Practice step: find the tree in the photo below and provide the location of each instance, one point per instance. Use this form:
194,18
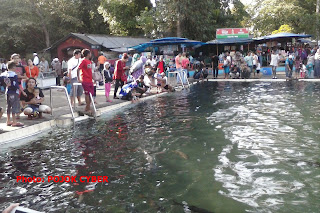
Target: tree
121,15
268,15
93,21
33,25
186,18
283,29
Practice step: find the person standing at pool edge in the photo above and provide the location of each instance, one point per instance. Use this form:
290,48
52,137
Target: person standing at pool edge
86,77
274,63
73,65
10,78
289,67
119,73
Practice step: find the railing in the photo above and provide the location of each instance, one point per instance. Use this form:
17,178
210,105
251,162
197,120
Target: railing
91,98
175,76
66,93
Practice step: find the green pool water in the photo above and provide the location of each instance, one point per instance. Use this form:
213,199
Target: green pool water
218,147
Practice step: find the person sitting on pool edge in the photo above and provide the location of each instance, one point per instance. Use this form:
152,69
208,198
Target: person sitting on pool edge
141,87
29,100
164,84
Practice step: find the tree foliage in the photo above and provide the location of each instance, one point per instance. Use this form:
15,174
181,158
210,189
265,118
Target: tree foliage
268,15
194,20
33,25
121,15
283,29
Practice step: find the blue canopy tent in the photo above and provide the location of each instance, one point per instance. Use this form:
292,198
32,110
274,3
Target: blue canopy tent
281,37
167,41
301,40
231,41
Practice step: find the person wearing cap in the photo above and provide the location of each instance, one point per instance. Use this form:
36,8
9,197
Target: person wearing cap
56,67
36,60
289,67
20,70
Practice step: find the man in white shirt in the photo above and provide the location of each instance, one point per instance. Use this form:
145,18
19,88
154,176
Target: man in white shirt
36,60
73,65
274,63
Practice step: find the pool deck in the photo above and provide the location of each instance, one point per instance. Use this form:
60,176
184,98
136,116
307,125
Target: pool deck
62,115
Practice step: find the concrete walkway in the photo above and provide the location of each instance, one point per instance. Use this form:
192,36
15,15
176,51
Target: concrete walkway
62,114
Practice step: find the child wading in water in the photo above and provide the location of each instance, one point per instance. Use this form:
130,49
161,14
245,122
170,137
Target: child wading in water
107,80
86,78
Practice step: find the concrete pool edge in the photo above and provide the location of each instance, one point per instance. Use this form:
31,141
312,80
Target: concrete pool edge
63,121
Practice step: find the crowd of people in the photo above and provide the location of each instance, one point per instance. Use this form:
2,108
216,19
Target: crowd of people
20,98
133,75
302,62
133,80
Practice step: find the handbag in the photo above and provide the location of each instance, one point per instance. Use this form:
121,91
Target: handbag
96,76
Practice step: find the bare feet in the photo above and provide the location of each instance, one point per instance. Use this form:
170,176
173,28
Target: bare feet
1,112
18,124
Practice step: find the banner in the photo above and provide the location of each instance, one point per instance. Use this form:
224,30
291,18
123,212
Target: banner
232,33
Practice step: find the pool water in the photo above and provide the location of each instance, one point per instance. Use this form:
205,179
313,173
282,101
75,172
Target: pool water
220,147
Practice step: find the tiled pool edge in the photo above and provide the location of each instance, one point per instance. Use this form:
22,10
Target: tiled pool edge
23,133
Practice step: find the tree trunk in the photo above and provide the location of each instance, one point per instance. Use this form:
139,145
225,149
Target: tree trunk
179,33
43,25
317,20
178,9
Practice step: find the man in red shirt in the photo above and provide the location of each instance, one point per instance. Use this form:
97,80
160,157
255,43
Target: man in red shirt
86,77
161,65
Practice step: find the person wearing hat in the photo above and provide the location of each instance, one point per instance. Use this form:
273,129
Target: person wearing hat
36,60
289,67
56,66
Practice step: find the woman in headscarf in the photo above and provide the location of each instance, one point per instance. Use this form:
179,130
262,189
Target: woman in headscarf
136,69
135,58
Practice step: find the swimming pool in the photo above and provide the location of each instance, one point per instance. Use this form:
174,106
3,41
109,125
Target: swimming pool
221,147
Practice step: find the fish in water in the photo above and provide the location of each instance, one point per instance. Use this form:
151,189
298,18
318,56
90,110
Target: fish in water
192,208
181,154
152,165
